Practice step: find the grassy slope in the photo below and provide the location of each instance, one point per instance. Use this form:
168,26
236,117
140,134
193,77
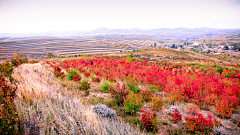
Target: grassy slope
45,107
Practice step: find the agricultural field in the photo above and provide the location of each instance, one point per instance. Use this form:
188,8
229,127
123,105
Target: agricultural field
160,91
38,48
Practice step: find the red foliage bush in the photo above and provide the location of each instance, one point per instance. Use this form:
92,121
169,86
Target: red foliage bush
193,109
146,94
176,115
224,108
96,79
199,123
111,79
184,82
86,74
57,72
157,102
8,116
80,69
119,93
76,78
149,120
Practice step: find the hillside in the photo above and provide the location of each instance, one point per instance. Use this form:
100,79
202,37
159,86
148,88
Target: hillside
158,91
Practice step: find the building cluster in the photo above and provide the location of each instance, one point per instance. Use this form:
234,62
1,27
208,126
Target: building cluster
204,48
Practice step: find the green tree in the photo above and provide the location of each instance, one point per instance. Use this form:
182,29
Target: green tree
220,70
50,55
71,73
225,47
173,46
129,58
133,102
236,46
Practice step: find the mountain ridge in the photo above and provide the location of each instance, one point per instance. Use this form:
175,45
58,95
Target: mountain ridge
180,33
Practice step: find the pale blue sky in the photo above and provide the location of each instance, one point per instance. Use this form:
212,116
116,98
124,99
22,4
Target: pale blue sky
33,16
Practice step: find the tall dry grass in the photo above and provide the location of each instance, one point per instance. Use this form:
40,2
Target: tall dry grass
46,107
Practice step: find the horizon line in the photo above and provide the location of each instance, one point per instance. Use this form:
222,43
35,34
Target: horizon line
120,29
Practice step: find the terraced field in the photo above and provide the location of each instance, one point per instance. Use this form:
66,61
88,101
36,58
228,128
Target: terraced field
132,44
40,47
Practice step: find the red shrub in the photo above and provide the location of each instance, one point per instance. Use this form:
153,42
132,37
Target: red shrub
157,102
119,93
224,108
96,79
146,94
80,69
149,120
86,74
111,79
8,115
176,115
199,123
193,109
57,72
76,78
179,82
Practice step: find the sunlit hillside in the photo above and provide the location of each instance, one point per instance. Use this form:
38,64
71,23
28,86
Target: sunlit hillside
158,91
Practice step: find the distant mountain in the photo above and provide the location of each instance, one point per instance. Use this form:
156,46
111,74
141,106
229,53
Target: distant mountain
179,33
105,31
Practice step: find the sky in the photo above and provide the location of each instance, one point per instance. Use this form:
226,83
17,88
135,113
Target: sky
35,16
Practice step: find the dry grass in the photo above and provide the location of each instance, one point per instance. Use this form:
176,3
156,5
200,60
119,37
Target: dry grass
46,107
